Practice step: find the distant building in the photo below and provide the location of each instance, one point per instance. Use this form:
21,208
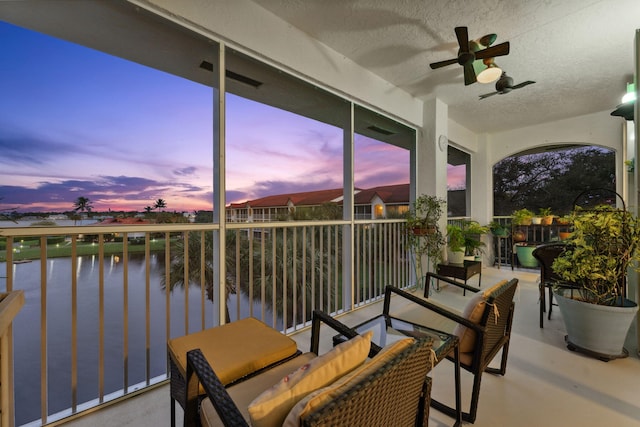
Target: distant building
390,201
126,221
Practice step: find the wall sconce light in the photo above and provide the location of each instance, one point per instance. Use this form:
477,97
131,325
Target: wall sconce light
626,109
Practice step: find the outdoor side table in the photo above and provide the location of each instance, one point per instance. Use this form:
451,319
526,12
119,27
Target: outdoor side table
463,271
387,329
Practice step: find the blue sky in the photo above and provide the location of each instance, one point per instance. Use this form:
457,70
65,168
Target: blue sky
77,122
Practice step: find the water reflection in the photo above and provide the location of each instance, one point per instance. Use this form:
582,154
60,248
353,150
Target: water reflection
143,340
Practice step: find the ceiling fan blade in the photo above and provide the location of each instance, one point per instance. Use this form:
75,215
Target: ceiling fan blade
493,51
469,74
523,84
443,63
463,38
486,95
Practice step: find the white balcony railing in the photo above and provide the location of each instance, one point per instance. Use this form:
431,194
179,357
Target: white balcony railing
101,301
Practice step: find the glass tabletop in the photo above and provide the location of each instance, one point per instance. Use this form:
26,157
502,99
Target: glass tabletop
387,330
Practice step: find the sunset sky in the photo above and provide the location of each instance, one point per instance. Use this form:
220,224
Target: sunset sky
75,122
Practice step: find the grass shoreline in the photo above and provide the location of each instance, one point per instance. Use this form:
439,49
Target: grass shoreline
30,253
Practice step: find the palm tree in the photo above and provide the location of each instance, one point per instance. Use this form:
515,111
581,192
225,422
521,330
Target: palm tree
196,268
82,204
160,204
148,209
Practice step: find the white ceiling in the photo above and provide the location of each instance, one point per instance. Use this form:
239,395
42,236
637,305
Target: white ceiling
580,53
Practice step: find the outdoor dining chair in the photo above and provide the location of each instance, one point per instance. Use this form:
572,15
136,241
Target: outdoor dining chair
546,254
484,329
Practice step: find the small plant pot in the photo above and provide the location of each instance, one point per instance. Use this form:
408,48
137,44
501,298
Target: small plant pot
519,235
536,220
424,231
547,220
500,232
564,235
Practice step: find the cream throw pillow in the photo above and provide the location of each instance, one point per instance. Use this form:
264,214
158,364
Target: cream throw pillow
320,397
272,406
473,311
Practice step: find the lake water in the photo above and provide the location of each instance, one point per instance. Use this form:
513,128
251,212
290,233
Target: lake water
27,336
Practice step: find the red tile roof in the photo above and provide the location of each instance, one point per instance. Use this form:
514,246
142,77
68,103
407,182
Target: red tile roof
390,194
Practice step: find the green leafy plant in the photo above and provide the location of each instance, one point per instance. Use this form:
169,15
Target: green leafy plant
423,233
544,212
604,243
521,216
466,237
472,231
425,212
498,229
455,238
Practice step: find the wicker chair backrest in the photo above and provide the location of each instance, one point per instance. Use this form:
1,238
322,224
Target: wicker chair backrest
497,319
546,254
389,396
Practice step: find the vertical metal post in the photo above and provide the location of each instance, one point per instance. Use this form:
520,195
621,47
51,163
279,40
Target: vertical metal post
636,181
219,184
348,276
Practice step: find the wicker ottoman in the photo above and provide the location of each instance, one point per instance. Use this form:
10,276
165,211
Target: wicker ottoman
235,350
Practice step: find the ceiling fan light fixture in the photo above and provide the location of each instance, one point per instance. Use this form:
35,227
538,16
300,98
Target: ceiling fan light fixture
490,74
630,96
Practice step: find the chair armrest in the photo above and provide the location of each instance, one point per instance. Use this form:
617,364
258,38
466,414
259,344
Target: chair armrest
445,279
429,306
200,372
320,317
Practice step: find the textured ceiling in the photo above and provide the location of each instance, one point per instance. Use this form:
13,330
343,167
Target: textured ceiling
579,52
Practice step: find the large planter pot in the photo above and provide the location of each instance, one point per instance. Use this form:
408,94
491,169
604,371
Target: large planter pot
525,255
597,330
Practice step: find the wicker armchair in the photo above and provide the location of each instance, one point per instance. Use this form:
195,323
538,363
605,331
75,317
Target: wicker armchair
396,393
492,331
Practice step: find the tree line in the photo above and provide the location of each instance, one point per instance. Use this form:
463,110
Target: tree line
551,179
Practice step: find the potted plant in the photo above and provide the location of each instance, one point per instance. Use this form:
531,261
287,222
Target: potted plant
604,244
563,220
455,244
472,231
546,215
520,217
498,229
424,214
422,230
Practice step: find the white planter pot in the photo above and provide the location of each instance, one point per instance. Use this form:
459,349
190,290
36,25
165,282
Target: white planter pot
536,220
597,330
455,257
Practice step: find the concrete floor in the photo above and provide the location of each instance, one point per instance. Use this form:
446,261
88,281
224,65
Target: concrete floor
545,384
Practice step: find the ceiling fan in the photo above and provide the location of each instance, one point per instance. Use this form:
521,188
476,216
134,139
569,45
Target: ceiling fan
466,55
505,85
